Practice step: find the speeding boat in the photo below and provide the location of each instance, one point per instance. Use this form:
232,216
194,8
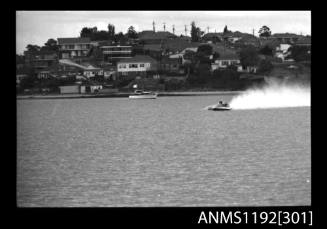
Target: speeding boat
139,94
220,107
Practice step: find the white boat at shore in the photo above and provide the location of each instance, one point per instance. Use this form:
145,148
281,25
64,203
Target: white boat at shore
139,94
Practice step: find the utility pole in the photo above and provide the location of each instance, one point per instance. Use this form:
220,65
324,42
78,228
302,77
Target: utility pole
154,26
185,30
174,29
164,26
208,28
253,32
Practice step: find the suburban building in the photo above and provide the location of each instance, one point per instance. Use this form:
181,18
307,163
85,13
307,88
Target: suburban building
40,60
172,65
212,37
113,53
74,48
92,72
225,60
138,65
289,38
19,78
63,68
151,37
304,41
282,52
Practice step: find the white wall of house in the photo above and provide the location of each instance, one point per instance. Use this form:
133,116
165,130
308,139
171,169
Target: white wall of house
224,63
133,67
74,89
283,47
43,75
90,73
95,87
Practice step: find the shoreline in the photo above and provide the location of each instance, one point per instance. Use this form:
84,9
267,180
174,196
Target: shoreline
126,94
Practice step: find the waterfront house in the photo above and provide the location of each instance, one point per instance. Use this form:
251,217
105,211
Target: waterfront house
74,48
40,60
92,71
20,77
138,65
70,89
110,72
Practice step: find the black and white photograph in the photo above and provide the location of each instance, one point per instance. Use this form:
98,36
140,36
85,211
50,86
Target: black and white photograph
163,108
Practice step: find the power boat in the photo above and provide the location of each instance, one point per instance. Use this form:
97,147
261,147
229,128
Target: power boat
220,107
139,94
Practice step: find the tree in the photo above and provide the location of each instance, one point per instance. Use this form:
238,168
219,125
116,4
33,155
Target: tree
266,50
131,33
203,54
50,45
300,53
20,59
33,48
265,66
120,37
205,49
195,33
264,31
249,56
216,55
226,29
86,32
100,35
111,30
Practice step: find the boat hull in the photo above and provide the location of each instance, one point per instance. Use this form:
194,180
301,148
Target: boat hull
219,108
142,96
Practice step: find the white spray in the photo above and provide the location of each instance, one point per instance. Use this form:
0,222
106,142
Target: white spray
273,95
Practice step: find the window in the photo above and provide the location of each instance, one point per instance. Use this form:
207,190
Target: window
132,65
122,66
225,62
71,46
141,65
65,55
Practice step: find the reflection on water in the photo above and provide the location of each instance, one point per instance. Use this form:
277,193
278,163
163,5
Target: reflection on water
163,152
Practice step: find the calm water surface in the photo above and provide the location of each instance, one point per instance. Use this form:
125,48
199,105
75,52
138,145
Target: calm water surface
163,152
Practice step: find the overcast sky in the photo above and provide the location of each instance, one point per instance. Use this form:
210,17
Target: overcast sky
36,27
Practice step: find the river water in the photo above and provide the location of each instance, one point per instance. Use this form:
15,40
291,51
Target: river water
115,152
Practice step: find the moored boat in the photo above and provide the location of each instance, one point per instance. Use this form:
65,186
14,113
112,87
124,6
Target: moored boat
139,94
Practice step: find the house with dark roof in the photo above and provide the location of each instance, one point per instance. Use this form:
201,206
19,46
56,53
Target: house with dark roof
151,37
212,37
74,48
172,65
289,38
138,65
40,60
304,41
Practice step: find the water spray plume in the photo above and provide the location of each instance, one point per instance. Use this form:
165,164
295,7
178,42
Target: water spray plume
273,95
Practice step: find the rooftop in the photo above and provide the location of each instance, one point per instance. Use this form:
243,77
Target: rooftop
137,59
74,40
145,35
